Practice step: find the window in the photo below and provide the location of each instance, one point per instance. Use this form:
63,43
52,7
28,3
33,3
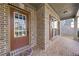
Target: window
19,25
78,22
55,24
72,23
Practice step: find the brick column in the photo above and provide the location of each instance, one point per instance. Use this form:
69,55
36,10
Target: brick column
41,27
3,29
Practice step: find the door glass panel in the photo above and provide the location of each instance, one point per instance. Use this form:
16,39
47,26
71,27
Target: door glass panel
19,25
78,22
54,24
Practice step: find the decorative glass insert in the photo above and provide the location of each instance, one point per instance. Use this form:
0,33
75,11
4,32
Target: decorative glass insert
20,25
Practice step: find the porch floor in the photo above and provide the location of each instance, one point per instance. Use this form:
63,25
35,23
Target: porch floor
59,46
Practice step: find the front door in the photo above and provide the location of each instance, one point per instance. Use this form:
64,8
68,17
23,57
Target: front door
19,28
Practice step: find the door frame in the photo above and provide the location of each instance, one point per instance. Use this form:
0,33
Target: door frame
9,26
52,32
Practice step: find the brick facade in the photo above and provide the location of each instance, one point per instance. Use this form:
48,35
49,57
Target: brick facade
39,27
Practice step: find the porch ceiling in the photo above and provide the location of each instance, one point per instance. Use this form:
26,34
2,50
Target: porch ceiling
64,10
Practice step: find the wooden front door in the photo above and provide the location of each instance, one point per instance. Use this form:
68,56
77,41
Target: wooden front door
19,28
